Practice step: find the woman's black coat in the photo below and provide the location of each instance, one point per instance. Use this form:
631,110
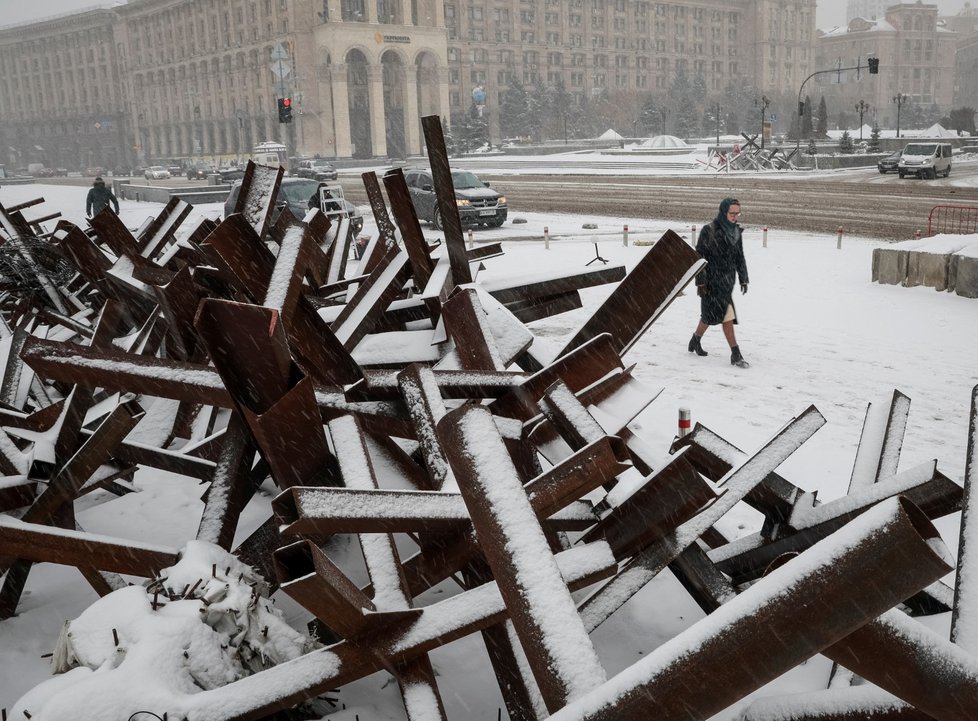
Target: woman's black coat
724,263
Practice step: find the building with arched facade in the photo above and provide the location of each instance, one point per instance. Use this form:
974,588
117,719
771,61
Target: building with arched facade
174,80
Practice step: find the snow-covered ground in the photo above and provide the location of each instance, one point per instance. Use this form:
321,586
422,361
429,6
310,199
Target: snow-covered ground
814,327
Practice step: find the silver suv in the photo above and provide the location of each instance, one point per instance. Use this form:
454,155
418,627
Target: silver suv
316,169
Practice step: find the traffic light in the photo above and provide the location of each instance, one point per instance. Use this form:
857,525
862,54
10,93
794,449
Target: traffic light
285,110
874,65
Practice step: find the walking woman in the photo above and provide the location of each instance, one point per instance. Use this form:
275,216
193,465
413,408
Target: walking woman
721,245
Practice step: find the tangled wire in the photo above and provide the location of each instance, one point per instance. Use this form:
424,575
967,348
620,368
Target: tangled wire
28,263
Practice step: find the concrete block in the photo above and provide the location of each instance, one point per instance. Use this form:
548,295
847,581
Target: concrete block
889,266
966,276
927,269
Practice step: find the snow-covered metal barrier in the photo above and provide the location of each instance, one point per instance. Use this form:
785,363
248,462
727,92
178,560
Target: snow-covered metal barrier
401,400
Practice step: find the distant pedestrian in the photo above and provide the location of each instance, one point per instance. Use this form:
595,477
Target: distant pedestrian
721,245
99,198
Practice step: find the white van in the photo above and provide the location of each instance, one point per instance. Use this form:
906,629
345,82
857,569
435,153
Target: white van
925,160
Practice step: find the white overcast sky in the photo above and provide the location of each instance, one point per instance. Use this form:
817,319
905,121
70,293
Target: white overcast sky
830,12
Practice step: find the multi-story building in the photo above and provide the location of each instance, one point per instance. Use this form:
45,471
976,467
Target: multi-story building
916,60
866,9
176,79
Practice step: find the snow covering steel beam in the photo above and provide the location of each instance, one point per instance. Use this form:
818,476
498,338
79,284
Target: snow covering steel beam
691,676
178,301
256,199
558,650
589,468
856,703
382,385
467,325
964,618
635,304
441,177
44,544
385,226
578,369
230,488
161,229
423,399
365,310
668,498
737,483
878,452
939,496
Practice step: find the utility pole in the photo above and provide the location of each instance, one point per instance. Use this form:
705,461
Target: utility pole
718,126
899,99
861,108
872,64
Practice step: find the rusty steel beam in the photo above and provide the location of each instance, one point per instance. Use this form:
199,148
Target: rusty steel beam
578,369
441,176
904,657
423,399
887,554
467,325
43,544
648,563
643,295
385,226
668,498
111,231
540,607
366,308
407,221
380,385
306,574
939,494
964,631
878,451
514,291
230,488
178,301
161,229
16,493
256,199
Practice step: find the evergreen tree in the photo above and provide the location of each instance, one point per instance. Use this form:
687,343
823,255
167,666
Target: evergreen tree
874,139
823,119
962,120
514,108
806,119
537,110
845,143
648,117
560,104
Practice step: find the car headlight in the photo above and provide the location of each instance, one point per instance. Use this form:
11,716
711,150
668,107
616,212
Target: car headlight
929,161
501,200
462,202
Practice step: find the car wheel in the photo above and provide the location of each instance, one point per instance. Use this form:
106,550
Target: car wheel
882,172
901,175
436,219
948,171
496,223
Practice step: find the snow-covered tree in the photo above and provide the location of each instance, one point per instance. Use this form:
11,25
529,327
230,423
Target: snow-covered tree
845,143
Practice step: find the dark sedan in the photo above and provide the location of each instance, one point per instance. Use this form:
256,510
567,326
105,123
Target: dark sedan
890,163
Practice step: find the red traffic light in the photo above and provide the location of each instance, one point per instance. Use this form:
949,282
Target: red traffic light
287,102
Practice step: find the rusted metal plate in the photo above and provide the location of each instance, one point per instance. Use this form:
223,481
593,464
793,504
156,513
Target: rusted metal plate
518,290
469,328
256,199
668,266
366,308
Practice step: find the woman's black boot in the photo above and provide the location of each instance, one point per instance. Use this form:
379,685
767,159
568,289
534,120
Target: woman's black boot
737,359
695,347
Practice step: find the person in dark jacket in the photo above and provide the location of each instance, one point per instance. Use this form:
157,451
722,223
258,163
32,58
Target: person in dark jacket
721,245
98,198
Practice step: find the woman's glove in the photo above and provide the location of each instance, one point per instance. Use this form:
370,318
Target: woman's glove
743,289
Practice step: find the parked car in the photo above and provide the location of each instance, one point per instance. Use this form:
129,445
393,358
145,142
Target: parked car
296,194
925,160
95,170
890,162
156,172
478,204
317,169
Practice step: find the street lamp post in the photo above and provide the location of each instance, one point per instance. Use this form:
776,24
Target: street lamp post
663,112
861,108
718,125
899,99
763,103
